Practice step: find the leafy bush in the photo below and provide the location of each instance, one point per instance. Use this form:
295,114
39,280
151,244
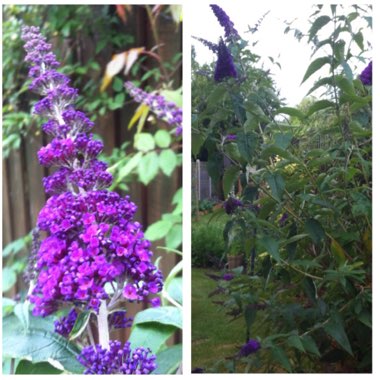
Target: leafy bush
207,244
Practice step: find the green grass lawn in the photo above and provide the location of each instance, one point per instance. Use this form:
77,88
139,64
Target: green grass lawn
213,337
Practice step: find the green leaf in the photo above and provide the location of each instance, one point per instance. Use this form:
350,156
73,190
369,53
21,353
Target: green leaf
39,343
158,230
314,229
197,141
276,184
283,140
359,39
246,143
321,82
162,138
315,66
345,85
150,335
216,95
168,360
144,142
271,245
21,311
148,167
173,239
117,84
26,367
175,289
280,356
296,342
80,324
16,246
166,315
230,177
318,24
310,289
309,345
167,161
8,306
338,252
129,166
335,328
291,112
319,105
9,279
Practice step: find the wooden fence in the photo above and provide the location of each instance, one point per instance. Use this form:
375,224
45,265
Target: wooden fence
23,195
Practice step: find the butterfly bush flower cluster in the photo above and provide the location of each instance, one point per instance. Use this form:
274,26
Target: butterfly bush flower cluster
163,109
117,359
91,237
366,75
225,22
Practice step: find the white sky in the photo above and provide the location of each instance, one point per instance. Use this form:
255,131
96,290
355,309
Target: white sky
294,56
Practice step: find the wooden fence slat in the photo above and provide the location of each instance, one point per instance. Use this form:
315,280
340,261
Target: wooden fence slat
7,224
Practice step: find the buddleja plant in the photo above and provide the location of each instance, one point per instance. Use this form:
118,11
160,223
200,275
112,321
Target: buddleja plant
92,256
305,208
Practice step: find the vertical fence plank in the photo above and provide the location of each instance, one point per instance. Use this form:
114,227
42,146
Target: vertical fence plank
7,224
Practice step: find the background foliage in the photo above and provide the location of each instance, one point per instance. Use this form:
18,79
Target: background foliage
306,290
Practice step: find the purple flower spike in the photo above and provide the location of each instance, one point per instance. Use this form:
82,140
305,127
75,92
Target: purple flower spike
225,67
213,47
366,75
228,276
250,347
224,21
117,360
91,237
163,109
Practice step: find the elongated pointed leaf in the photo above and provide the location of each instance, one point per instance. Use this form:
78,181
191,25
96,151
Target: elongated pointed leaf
246,143
276,184
318,24
291,112
315,230
310,345
320,105
230,177
280,357
80,324
272,246
315,66
166,315
335,328
26,367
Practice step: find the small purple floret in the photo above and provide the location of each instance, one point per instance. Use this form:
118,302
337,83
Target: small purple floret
250,347
224,21
231,204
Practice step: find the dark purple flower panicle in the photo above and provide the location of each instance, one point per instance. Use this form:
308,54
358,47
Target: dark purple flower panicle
250,347
231,204
117,360
213,47
224,21
231,137
64,325
91,237
366,75
225,67
163,109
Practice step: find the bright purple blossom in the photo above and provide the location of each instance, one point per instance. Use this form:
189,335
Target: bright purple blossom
155,302
231,137
225,67
224,21
91,238
117,360
250,347
366,75
283,219
163,109
231,204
